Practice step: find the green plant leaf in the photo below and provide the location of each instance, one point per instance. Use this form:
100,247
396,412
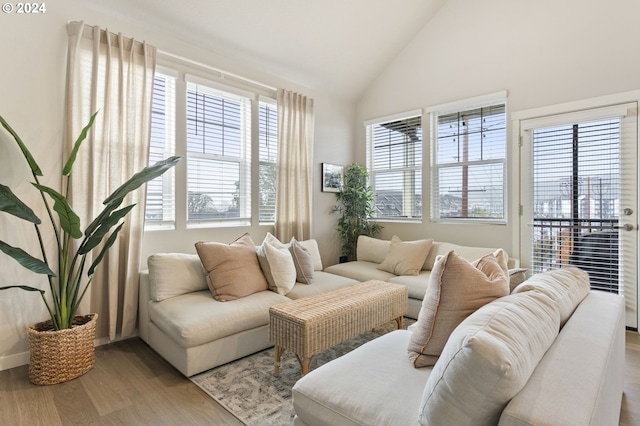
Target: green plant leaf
105,248
69,220
35,169
23,287
26,260
143,176
74,152
11,204
103,229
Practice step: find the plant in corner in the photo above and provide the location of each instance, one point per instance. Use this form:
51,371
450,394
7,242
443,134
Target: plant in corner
356,207
66,284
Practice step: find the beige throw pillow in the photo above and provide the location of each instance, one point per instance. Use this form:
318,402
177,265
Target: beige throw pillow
456,289
488,359
303,262
312,247
405,257
232,269
277,265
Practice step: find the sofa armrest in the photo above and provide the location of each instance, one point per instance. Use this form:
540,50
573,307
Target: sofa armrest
144,296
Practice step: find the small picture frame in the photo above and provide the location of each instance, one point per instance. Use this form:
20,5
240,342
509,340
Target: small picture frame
332,177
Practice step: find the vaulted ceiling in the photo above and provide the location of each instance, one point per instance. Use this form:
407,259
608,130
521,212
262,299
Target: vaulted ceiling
335,46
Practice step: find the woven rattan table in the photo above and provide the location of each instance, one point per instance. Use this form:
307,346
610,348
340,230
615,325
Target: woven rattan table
312,324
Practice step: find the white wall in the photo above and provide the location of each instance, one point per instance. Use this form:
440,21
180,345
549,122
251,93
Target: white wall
542,52
33,52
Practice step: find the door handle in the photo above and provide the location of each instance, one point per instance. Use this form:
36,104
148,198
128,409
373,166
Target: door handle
626,227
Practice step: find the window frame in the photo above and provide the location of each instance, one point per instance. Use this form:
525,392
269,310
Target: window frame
484,101
191,72
419,167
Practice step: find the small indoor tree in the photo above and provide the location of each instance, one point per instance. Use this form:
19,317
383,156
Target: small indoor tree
356,208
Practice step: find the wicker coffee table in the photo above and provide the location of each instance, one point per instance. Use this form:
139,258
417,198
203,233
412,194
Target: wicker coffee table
312,324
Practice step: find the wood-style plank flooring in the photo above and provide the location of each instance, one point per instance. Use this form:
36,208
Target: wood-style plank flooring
131,385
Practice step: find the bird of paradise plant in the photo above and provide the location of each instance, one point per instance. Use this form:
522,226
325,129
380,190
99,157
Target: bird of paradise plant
66,285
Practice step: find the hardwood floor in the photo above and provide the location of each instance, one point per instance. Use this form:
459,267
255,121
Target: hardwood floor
131,385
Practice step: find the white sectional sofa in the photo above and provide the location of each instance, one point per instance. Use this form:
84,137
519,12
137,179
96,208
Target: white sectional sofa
566,367
179,318
371,252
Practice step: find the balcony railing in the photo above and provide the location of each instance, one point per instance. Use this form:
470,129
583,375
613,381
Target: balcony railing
590,244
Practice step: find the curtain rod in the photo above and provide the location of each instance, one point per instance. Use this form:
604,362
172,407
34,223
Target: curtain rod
223,74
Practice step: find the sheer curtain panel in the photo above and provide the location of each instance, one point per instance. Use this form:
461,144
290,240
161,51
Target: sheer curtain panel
112,74
295,168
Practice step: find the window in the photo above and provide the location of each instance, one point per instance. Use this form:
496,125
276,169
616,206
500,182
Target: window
394,162
268,159
218,155
160,209
227,132
468,164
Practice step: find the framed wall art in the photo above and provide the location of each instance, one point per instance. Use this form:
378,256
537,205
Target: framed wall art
332,177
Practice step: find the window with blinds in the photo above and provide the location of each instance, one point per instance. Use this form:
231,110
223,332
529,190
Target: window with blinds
576,199
218,155
160,205
394,162
268,160
468,164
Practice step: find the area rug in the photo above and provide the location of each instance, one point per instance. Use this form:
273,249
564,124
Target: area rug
248,389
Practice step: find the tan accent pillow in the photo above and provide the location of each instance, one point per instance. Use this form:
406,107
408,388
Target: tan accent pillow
303,262
567,286
405,257
456,289
232,269
277,265
488,359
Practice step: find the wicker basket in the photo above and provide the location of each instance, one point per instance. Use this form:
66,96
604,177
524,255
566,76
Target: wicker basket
58,356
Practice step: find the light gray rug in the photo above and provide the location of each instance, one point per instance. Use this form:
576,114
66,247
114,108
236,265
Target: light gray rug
248,389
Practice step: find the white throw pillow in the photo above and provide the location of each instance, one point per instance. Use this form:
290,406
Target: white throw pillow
488,359
277,265
173,274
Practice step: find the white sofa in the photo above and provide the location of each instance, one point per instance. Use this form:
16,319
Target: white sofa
179,318
371,252
578,379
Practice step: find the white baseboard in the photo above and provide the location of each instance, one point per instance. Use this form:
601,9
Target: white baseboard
16,360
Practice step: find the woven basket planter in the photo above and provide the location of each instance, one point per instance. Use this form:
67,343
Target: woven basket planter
58,356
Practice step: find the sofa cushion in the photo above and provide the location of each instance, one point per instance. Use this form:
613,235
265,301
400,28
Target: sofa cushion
322,282
456,289
277,264
405,257
232,269
173,274
567,286
370,249
312,247
360,270
488,360
302,261
416,284
196,318
467,253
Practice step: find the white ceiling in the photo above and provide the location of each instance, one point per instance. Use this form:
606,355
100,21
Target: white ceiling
335,46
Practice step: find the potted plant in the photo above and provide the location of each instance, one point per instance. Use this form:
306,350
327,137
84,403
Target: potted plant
356,207
52,359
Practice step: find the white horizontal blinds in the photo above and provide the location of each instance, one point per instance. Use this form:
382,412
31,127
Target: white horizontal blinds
160,205
469,166
395,167
576,199
218,155
268,158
